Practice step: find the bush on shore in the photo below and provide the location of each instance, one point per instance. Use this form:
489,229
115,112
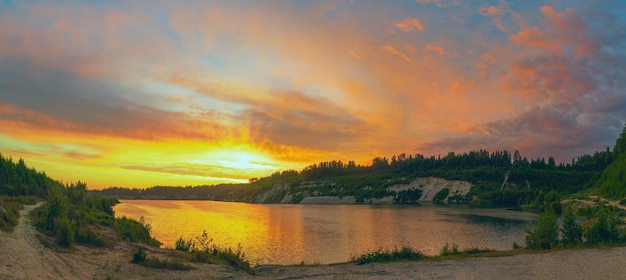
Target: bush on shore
140,257
203,249
135,231
603,229
405,253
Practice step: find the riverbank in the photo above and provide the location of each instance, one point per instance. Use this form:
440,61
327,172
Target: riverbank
23,257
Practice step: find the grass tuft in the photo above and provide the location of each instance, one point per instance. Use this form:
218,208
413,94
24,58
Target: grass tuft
379,255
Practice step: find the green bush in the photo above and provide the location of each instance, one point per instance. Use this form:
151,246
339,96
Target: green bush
545,235
86,235
234,258
448,250
64,232
202,249
135,231
12,209
183,245
139,255
571,231
405,253
604,230
441,195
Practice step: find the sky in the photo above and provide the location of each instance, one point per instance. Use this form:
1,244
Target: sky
144,93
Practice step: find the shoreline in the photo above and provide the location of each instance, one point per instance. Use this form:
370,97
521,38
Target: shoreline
25,258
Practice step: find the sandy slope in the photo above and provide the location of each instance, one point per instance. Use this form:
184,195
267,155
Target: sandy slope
23,257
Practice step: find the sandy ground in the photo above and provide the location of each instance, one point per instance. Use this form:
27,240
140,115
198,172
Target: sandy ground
23,257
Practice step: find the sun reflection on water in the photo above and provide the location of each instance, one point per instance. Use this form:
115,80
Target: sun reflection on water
290,234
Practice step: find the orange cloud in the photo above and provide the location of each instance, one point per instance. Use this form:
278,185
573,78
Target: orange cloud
393,51
409,24
292,84
489,58
437,49
562,30
490,11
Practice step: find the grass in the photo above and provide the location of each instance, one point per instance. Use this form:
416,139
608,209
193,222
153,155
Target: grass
408,254
12,206
405,253
140,257
202,249
11,214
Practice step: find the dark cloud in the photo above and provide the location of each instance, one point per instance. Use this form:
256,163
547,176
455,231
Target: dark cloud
58,100
574,87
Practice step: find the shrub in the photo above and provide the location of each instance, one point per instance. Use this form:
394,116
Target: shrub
545,235
405,253
234,258
183,245
202,249
448,250
11,218
139,255
135,231
604,230
571,231
441,195
64,232
88,235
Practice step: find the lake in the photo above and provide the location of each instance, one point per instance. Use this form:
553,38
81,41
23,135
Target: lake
322,234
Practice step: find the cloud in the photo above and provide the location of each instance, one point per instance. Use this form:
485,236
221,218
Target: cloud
563,31
409,24
394,51
202,170
490,11
559,130
572,104
437,49
306,81
489,58
439,3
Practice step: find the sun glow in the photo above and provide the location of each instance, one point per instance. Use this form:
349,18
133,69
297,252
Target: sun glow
237,158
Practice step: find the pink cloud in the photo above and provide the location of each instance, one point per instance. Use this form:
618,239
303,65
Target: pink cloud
562,30
409,24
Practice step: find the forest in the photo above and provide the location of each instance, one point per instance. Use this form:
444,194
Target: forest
537,182
70,215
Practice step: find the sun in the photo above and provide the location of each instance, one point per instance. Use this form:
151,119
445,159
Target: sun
242,158
245,160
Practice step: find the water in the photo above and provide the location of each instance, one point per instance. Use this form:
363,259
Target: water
322,234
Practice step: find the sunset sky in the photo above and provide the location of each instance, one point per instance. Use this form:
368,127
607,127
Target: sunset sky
143,93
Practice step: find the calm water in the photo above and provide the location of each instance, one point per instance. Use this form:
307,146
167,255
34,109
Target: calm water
290,234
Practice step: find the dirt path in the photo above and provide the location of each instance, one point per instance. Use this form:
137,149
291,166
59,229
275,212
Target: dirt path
23,257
